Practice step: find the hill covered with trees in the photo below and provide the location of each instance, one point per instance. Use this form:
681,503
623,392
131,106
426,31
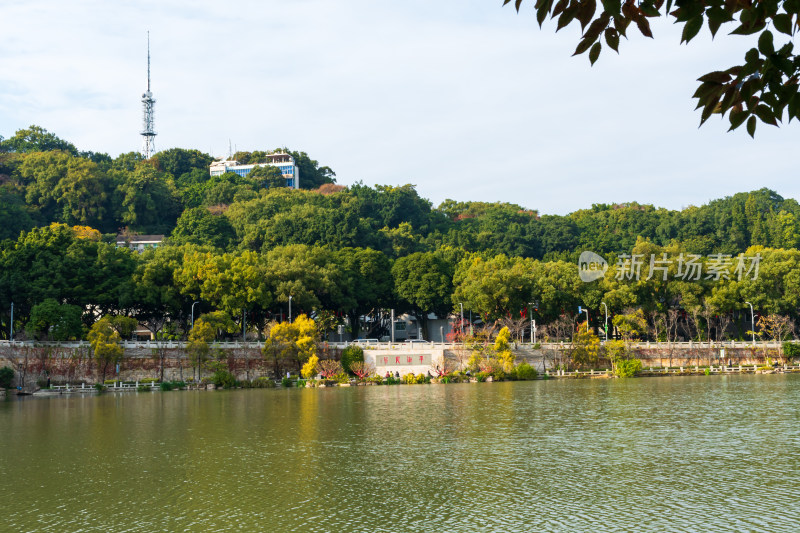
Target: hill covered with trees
241,246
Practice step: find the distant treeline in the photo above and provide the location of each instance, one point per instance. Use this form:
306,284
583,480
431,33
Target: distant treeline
241,246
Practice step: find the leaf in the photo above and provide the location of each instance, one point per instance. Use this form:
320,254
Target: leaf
710,107
715,77
612,39
612,7
783,23
586,12
560,7
765,45
594,53
519,2
728,98
649,10
621,24
793,107
765,114
582,46
691,29
737,118
747,29
597,27
751,126
541,13
565,18
644,26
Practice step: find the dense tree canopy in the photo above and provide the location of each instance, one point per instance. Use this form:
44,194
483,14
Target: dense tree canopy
237,249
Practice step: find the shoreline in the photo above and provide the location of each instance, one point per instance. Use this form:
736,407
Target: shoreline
122,387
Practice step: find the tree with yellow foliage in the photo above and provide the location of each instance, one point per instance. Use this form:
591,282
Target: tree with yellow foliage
291,341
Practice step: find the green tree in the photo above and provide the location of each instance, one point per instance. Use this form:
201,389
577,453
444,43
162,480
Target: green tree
268,176
53,321
36,139
424,283
149,200
179,161
763,88
202,227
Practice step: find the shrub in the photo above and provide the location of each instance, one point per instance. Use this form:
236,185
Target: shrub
409,378
791,350
341,377
481,376
178,384
361,369
109,381
100,387
286,382
328,368
350,355
147,381
143,388
627,368
393,381
6,377
165,386
422,378
526,372
310,367
224,379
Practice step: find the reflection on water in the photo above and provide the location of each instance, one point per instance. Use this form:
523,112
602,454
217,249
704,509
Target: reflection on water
669,454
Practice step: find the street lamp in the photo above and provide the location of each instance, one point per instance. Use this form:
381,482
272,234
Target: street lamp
753,322
533,323
580,310
290,309
604,305
11,333
461,305
193,304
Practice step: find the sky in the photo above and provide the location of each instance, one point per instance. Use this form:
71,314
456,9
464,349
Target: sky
465,99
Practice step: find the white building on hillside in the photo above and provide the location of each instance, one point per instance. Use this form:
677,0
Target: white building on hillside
283,161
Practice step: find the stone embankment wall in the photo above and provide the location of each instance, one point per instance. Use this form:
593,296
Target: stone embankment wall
75,365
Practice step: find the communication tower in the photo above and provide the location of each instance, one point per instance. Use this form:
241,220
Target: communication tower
148,130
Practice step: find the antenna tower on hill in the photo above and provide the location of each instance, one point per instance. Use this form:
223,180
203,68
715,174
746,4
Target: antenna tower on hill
148,130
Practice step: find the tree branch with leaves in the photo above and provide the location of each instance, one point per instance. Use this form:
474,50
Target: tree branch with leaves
763,88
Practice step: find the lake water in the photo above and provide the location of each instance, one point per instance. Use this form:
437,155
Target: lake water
651,454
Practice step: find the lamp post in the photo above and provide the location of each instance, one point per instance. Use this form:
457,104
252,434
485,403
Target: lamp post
533,324
193,304
604,305
580,310
11,332
461,305
753,322
290,309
